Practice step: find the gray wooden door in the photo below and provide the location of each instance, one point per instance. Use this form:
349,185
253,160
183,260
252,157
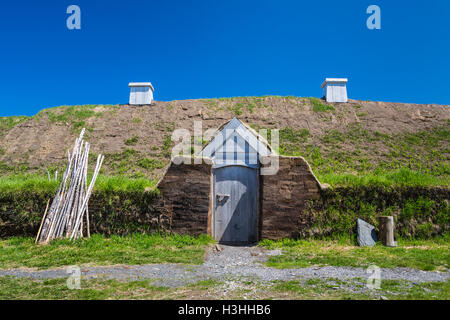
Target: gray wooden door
236,190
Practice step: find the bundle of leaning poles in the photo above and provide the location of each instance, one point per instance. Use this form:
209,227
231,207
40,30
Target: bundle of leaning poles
68,214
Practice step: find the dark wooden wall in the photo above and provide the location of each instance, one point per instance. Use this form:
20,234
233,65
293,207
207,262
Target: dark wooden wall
186,192
284,196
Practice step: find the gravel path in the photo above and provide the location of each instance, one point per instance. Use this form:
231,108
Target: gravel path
229,263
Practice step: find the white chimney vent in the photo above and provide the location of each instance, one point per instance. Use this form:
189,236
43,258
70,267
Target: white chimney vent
335,89
141,93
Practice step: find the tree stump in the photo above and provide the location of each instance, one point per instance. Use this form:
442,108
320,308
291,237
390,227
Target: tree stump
386,234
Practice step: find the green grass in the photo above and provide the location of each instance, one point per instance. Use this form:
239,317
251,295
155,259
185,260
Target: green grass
20,183
120,183
98,250
291,138
75,115
423,255
355,289
320,289
167,146
132,141
151,164
17,169
237,108
404,290
419,213
311,289
319,106
7,123
97,289
356,156
400,177
70,114
237,105
134,164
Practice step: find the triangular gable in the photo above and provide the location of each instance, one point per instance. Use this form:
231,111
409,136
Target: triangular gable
235,128
236,143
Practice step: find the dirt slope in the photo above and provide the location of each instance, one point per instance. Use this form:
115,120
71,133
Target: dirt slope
136,140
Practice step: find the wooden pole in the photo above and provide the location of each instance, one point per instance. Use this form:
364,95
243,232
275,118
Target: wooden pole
70,205
42,222
386,227
100,159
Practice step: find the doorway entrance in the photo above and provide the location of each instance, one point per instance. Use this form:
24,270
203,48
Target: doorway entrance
235,200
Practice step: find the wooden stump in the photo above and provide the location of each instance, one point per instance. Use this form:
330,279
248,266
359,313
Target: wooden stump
386,234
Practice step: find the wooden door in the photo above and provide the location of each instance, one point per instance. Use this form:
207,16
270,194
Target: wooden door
236,190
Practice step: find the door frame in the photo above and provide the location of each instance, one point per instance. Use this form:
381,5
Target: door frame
212,202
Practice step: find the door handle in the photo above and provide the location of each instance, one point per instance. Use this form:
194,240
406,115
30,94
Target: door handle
222,197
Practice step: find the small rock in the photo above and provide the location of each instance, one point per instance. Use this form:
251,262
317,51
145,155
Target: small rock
366,233
383,298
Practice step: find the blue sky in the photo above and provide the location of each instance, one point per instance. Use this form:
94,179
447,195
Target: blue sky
209,48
